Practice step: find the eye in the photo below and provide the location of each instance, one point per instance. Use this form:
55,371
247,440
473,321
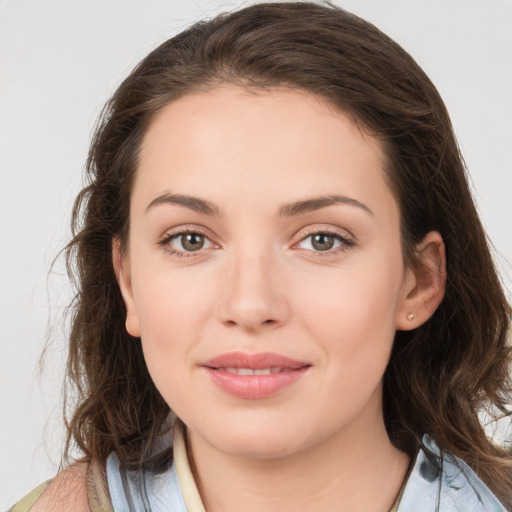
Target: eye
324,242
185,242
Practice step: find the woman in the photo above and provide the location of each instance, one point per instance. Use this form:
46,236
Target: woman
278,244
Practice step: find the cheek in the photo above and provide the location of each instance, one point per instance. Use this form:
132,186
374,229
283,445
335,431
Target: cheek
351,313
171,311
169,332
175,308
171,303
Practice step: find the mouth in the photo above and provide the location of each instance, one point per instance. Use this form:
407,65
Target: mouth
254,376
253,371
269,362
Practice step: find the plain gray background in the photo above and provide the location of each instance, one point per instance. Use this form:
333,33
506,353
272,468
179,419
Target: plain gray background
60,61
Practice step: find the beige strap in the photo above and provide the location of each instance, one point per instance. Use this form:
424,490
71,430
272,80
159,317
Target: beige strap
185,478
97,493
394,508
97,488
25,504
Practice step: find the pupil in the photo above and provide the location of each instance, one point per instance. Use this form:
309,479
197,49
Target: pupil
193,242
323,242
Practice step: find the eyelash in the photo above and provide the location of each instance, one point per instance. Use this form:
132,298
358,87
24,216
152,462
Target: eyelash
346,242
166,240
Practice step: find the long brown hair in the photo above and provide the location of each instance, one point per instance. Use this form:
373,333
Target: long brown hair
442,374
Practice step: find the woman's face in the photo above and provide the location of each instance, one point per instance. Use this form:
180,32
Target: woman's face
264,271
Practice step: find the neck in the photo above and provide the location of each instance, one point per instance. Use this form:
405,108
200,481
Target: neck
362,472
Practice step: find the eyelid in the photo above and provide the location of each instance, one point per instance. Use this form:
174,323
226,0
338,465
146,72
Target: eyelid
178,231
348,240
344,236
322,228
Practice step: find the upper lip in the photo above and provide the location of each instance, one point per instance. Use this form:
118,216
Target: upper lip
257,361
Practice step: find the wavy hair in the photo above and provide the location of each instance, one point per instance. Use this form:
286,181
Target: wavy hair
440,375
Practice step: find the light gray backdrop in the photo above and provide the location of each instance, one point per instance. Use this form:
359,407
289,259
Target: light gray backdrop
60,61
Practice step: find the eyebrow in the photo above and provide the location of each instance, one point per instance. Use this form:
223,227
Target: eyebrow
193,203
316,203
288,210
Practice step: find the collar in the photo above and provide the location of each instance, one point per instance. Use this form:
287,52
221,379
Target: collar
438,482
186,480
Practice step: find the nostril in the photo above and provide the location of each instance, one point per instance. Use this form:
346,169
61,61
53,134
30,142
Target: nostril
250,326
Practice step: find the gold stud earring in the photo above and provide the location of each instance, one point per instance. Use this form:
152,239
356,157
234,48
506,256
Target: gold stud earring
410,316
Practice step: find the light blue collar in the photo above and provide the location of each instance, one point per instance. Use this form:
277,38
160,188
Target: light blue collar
442,483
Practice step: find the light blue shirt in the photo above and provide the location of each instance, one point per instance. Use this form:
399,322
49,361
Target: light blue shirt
132,492
436,483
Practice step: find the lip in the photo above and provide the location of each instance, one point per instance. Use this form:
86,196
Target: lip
284,372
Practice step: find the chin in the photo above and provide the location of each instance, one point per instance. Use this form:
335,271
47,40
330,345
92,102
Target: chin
264,438
263,447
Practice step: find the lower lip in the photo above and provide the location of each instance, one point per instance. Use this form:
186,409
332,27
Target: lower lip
255,386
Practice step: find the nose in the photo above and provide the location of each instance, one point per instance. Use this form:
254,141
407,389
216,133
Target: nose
253,296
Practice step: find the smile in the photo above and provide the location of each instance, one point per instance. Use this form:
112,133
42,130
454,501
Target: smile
252,371
254,376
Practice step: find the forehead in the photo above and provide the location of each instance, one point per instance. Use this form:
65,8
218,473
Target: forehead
257,141
230,103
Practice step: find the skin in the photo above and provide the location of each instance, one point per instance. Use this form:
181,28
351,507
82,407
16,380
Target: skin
66,492
259,284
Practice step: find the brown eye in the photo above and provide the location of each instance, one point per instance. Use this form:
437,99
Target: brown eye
322,241
192,241
325,242
189,242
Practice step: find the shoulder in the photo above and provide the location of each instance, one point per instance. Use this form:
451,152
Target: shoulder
439,481
463,487
66,492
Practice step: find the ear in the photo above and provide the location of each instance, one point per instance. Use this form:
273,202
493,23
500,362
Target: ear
424,285
122,270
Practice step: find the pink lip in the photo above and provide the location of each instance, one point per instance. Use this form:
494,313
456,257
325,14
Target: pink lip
254,386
